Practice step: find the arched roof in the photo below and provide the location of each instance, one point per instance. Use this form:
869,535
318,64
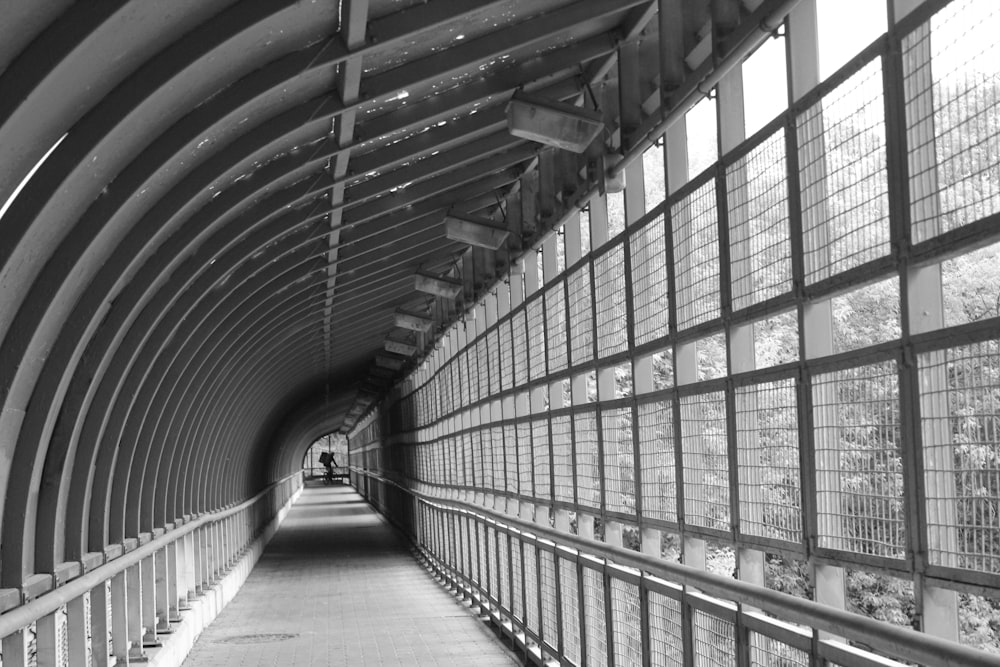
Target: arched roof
212,210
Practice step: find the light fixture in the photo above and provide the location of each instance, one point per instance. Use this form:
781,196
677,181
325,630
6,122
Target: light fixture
474,230
391,362
448,288
412,321
611,183
553,123
399,347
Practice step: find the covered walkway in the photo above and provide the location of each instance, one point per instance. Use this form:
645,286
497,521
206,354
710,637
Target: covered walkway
336,586
666,331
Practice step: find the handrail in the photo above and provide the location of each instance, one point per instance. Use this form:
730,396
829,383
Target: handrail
49,602
904,643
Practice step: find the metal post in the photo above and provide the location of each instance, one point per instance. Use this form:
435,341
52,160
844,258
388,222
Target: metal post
163,589
134,610
47,641
120,618
77,641
100,603
149,602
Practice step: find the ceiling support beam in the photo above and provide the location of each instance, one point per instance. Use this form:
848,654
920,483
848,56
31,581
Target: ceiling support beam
353,19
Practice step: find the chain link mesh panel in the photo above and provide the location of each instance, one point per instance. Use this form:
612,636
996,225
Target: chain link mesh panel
609,301
569,603
542,464
536,337
844,186
650,297
547,591
562,459
960,419
666,641
714,639
760,246
626,623
595,624
588,472
859,476
706,465
696,256
767,438
656,451
953,117
555,320
619,460
581,316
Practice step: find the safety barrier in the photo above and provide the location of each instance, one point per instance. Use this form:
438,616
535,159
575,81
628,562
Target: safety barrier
145,600
571,601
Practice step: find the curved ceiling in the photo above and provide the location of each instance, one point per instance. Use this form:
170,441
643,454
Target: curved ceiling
213,209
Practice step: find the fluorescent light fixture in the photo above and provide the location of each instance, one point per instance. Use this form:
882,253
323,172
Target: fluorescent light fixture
552,123
413,321
612,184
448,288
397,347
391,362
474,230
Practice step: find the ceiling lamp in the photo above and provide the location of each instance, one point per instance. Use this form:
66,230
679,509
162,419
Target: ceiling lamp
551,123
412,321
474,230
391,362
399,347
448,288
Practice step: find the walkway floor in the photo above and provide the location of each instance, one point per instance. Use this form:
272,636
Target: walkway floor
336,586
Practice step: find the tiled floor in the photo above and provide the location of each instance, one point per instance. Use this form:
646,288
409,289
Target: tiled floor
337,587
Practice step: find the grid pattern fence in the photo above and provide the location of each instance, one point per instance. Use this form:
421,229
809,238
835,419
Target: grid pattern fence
802,345
592,612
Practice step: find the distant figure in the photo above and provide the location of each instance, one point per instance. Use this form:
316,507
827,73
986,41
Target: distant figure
326,458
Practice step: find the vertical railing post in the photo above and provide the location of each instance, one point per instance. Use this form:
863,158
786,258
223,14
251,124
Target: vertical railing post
47,640
148,588
226,527
15,649
687,631
178,580
99,629
609,613
191,586
644,622
204,556
161,584
77,649
134,609
119,618
214,531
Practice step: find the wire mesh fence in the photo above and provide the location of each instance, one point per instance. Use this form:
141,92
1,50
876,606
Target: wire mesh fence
767,437
842,158
647,247
696,256
813,368
555,321
609,302
760,233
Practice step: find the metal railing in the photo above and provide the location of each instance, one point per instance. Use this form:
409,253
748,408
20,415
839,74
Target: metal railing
112,607
339,473
575,601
